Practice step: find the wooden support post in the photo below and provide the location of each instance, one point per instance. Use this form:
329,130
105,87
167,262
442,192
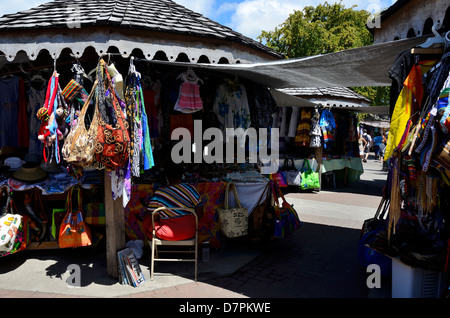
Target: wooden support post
115,228
318,154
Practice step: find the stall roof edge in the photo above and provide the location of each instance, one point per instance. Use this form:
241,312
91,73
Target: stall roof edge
123,14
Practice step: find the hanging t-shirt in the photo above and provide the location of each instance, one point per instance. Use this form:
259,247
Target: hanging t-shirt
9,110
328,127
231,106
36,100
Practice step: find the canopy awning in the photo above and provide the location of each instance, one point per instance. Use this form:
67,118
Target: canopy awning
376,123
359,67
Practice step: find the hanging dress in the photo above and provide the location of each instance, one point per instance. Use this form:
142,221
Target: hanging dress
316,132
302,137
189,100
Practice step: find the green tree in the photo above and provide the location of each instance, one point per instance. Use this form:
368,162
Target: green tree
324,29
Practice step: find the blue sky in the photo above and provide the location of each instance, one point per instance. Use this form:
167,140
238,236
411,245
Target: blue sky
248,17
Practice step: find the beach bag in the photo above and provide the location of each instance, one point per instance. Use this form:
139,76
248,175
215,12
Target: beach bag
113,138
293,176
310,179
13,228
73,231
94,211
233,221
79,146
9,226
287,220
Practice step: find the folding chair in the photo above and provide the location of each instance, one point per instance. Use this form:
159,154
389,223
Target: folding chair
189,243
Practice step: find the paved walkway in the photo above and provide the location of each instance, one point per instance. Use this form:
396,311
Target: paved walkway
319,261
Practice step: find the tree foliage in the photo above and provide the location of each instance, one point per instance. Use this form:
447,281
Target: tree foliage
324,29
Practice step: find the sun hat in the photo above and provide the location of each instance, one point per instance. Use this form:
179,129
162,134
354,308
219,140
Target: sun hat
14,163
30,172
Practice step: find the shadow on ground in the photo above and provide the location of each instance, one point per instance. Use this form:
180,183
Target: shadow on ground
319,261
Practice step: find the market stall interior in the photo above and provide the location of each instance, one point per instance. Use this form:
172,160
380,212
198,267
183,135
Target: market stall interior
56,136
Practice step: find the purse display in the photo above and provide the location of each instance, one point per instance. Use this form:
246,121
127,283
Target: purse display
233,221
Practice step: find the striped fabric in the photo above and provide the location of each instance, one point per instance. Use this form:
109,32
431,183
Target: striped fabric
71,90
178,196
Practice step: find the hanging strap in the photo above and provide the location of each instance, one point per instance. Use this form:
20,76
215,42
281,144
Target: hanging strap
236,198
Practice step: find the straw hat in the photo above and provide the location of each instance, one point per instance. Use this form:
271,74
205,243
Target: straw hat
30,172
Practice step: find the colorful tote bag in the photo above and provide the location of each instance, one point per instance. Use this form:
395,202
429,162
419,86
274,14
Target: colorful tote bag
71,90
74,232
113,138
287,220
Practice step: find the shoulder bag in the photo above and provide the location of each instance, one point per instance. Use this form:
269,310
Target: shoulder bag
113,138
79,146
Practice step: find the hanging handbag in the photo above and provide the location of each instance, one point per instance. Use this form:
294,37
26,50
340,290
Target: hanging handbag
113,138
293,176
79,146
310,179
73,231
13,229
287,220
233,221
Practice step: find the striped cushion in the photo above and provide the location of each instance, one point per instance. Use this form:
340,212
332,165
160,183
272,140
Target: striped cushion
178,196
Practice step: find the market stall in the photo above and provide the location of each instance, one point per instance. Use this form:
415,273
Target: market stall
411,225
49,75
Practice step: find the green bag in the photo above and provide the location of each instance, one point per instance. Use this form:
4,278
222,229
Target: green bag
310,178
57,217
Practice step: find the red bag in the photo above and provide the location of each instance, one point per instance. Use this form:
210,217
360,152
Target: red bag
73,232
113,138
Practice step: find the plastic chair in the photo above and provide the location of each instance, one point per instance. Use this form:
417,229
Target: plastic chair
193,242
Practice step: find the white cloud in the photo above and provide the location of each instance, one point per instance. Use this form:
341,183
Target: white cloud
253,16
